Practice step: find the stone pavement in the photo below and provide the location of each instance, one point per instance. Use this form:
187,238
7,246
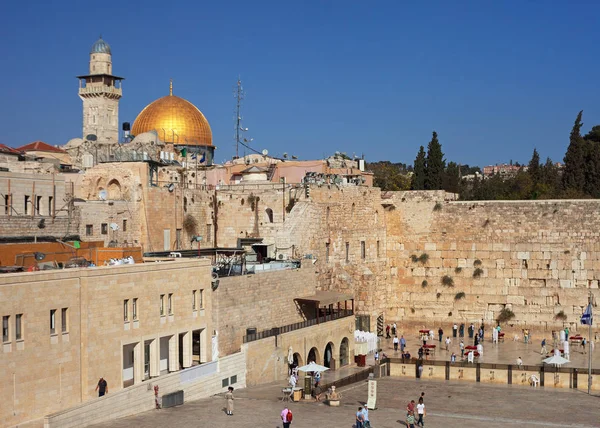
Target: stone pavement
505,352
448,404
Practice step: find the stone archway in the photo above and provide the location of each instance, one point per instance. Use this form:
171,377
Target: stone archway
344,352
114,190
329,356
298,360
313,355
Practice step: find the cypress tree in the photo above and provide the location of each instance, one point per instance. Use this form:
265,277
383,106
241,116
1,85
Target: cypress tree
574,172
534,168
435,164
418,178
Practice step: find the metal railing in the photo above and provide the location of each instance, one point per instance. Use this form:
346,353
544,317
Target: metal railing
343,313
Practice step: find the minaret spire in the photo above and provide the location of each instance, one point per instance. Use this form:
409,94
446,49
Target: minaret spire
171,87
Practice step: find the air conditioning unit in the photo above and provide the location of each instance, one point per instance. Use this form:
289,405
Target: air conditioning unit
282,257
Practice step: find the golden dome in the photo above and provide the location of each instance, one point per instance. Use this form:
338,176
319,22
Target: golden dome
175,120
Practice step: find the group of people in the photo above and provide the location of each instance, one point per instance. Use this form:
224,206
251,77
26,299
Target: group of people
362,417
415,412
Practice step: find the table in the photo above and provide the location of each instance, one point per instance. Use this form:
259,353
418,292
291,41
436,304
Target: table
286,394
470,348
429,349
501,336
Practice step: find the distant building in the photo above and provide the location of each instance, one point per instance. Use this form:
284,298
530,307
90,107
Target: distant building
502,169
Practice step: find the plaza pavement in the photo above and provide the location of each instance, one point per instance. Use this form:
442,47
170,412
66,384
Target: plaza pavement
448,404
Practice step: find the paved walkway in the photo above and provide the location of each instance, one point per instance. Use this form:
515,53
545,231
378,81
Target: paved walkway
505,352
449,404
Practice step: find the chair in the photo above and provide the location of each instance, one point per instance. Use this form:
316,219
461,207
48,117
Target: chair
471,357
287,394
534,381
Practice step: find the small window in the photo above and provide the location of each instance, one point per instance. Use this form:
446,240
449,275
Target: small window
64,320
225,382
162,304
19,327
124,226
233,380
89,229
363,251
134,308
104,229
170,303
269,213
126,310
26,205
347,252
52,321
5,328
50,202
201,299
6,204
193,300
327,252
38,203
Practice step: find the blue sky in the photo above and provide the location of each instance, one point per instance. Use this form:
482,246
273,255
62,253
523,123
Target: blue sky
494,79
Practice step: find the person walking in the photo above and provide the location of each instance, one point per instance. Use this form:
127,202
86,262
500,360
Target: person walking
410,420
544,351
365,412
454,330
395,343
421,412
286,417
471,331
583,342
402,343
360,418
102,387
461,330
440,334
229,398
462,349
387,331
448,341
394,329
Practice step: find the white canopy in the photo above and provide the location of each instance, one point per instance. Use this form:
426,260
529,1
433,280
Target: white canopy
556,360
312,367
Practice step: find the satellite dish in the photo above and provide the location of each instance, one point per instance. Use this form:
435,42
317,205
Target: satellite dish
114,226
265,152
102,195
39,256
171,187
91,137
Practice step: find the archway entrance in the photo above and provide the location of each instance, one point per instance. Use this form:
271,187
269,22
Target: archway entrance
344,352
297,360
313,355
328,357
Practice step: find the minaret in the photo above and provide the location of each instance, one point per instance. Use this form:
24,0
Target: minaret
100,92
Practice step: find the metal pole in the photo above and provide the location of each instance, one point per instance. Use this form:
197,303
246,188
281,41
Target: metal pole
590,347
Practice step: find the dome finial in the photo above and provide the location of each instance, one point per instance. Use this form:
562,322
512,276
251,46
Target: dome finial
171,87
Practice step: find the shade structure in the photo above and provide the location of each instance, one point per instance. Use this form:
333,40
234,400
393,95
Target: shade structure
313,367
556,360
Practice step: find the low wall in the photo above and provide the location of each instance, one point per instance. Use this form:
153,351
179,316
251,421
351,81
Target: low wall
197,382
550,377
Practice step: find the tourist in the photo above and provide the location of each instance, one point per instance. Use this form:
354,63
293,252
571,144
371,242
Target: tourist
410,407
229,398
543,351
387,331
402,343
471,331
102,387
317,377
481,333
431,335
440,334
318,391
360,418
421,412
462,349
453,358
293,381
420,352
454,330
410,420
476,340
421,370
423,395
394,329
406,356
395,343
376,357
519,362
566,347
461,330
448,341
583,345
566,333
286,417
365,413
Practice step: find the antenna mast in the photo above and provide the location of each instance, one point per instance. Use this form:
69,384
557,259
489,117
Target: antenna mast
239,96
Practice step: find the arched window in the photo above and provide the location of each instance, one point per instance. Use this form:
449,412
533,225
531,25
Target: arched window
269,213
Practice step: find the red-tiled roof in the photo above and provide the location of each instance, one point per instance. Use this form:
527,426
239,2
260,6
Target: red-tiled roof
40,146
9,150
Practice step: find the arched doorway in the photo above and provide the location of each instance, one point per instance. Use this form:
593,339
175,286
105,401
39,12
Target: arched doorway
328,356
313,355
297,360
344,352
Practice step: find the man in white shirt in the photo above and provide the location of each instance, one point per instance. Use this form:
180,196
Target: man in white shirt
293,381
448,343
519,362
421,412
396,341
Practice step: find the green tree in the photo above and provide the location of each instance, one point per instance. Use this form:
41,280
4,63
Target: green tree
418,178
435,164
451,182
593,135
534,168
592,169
574,172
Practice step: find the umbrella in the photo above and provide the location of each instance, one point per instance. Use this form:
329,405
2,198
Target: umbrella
556,360
312,367
290,357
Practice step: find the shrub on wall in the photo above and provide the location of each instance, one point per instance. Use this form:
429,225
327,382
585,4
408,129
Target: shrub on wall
437,206
477,273
505,315
424,284
438,295
190,225
414,258
447,281
458,270
477,262
561,316
424,258
460,295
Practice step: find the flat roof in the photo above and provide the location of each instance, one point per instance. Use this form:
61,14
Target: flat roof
327,298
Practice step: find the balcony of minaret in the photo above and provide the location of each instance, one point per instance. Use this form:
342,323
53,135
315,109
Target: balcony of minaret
101,90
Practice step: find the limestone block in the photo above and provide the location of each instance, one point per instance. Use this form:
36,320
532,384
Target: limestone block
565,283
499,263
523,255
583,255
430,246
515,300
462,263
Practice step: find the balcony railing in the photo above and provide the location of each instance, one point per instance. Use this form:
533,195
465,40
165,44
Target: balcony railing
100,90
343,313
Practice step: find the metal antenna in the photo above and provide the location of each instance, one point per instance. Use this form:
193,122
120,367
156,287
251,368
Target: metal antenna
239,97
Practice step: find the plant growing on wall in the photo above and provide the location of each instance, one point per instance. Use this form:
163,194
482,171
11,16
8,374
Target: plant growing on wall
412,310
414,258
561,316
477,263
252,201
505,315
424,284
438,295
437,206
290,205
457,270
477,272
486,222
447,281
190,225
449,314
459,295
423,258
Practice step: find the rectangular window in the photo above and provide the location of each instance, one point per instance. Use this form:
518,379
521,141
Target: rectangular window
201,299
5,329
38,203
347,252
378,253
104,229
126,310
170,303
162,304
50,201
64,314
26,207
327,252
134,308
89,229
193,300
52,321
19,327
6,205
363,250
124,226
